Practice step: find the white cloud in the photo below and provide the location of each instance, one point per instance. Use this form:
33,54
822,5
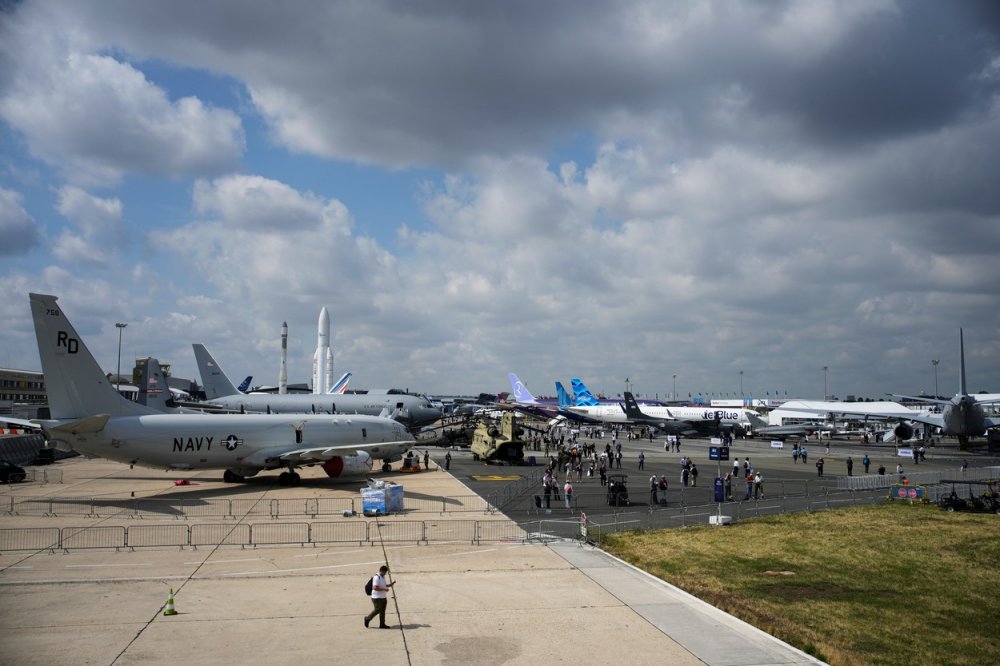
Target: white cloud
18,230
256,203
99,234
95,117
633,190
260,243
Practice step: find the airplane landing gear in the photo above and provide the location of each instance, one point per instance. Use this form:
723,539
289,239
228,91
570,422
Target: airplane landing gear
386,467
289,479
231,477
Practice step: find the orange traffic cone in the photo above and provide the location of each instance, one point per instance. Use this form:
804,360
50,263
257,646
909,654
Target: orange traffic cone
169,610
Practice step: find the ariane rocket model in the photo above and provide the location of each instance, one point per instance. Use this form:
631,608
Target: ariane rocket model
283,370
323,358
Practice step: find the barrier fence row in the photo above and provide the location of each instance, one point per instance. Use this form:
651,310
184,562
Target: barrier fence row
590,496
511,491
225,508
874,481
43,475
691,515
180,535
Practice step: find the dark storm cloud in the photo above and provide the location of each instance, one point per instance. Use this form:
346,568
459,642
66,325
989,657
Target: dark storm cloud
900,72
404,83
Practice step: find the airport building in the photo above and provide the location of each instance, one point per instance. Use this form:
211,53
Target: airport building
22,392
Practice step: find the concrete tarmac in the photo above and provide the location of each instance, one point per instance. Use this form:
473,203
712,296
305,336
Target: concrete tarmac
495,603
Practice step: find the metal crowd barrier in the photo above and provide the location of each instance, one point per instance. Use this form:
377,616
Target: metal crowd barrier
256,534
151,507
45,475
876,481
684,515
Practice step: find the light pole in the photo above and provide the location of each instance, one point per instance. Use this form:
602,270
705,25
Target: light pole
741,383
118,375
626,384
935,362
674,394
826,370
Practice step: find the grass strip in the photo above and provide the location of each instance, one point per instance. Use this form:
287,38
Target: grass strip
886,584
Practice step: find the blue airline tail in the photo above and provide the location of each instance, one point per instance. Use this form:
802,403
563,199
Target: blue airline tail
584,398
341,385
242,388
520,391
564,398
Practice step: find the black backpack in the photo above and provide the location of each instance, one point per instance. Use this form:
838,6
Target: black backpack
368,586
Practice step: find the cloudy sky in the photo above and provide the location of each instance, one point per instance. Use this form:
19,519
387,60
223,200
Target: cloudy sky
565,188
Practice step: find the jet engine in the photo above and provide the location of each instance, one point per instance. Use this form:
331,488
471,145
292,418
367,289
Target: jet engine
903,432
358,464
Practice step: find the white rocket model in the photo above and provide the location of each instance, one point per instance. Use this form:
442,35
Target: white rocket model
323,358
283,370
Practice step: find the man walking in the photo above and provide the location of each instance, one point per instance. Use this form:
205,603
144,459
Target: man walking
380,588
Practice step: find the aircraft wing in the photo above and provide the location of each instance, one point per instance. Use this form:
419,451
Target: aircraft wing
892,413
316,454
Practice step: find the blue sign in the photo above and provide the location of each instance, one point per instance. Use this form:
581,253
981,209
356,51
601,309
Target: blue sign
720,491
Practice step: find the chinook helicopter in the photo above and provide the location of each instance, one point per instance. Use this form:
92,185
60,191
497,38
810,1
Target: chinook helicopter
499,445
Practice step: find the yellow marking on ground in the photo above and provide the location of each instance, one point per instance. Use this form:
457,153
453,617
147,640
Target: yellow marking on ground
497,477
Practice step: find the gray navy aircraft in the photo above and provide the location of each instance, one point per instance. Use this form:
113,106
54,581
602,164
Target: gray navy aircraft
88,415
414,411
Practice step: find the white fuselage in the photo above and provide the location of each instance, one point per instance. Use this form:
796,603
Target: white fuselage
615,413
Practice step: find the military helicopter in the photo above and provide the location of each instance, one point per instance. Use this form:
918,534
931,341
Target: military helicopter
499,445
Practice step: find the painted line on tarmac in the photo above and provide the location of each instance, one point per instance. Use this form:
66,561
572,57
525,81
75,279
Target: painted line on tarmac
244,559
342,552
271,572
98,566
64,581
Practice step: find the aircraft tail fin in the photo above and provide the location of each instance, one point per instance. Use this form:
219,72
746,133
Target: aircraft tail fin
584,398
961,366
521,392
341,384
756,421
565,400
245,384
215,381
153,389
76,385
631,407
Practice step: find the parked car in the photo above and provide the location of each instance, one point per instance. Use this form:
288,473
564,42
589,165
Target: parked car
10,473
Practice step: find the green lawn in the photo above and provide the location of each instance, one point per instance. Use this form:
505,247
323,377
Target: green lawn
888,584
